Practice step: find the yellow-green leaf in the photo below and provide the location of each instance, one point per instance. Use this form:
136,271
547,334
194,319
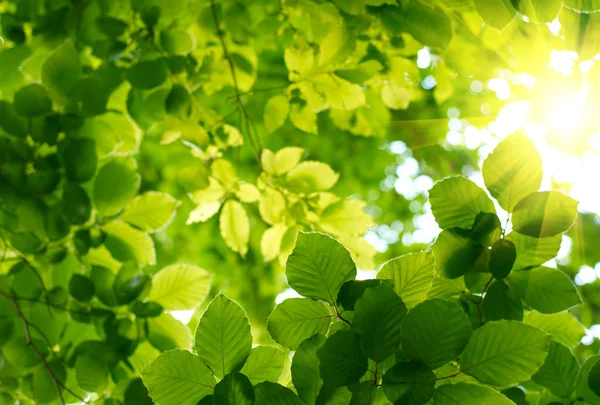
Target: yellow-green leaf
235,227
180,286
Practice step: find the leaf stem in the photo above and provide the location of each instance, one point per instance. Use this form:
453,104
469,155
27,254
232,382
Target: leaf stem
449,376
339,315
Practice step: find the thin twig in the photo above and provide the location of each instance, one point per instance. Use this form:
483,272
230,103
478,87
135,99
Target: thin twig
481,300
30,343
449,376
339,315
254,143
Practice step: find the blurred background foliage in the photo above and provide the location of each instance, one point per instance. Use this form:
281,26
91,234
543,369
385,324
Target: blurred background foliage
391,95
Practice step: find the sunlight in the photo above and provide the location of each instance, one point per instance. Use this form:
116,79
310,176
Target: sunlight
564,113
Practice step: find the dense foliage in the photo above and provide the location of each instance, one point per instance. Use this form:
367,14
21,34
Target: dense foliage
158,158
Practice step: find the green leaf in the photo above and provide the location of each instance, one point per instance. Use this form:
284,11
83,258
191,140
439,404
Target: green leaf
336,46
352,290
503,353
136,393
270,243
81,288
111,27
305,369
456,202
234,226
342,359
296,319
455,254
234,389
377,319
367,393
533,252
334,396
412,276
147,74
594,379
111,196
129,243
544,214
543,11
276,112
167,333
583,388
502,258
513,171
26,282
151,211
346,217
318,266
311,176
76,204
282,161
32,101
428,24
178,377
559,371
496,13
435,332
486,228
299,57
409,383
268,393
177,42
502,302
550,290
62,71
265,363
562,326
223,338
10,121
44,387
91,372
180,286
582,5
80,159
468,394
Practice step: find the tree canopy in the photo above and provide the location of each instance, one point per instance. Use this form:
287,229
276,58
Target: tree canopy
318,202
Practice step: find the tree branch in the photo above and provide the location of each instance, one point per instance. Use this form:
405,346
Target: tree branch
26,327
254,142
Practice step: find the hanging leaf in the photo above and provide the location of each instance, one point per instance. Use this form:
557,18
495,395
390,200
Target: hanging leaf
456,202
410,383
265,363
378,316
296,319
150,211
305,369
513,171
178,376
180,286
544,214
468,394
435,332
235,227
496,13
412,276
342,359
495,349
234,389
223,339
559,371
319,257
